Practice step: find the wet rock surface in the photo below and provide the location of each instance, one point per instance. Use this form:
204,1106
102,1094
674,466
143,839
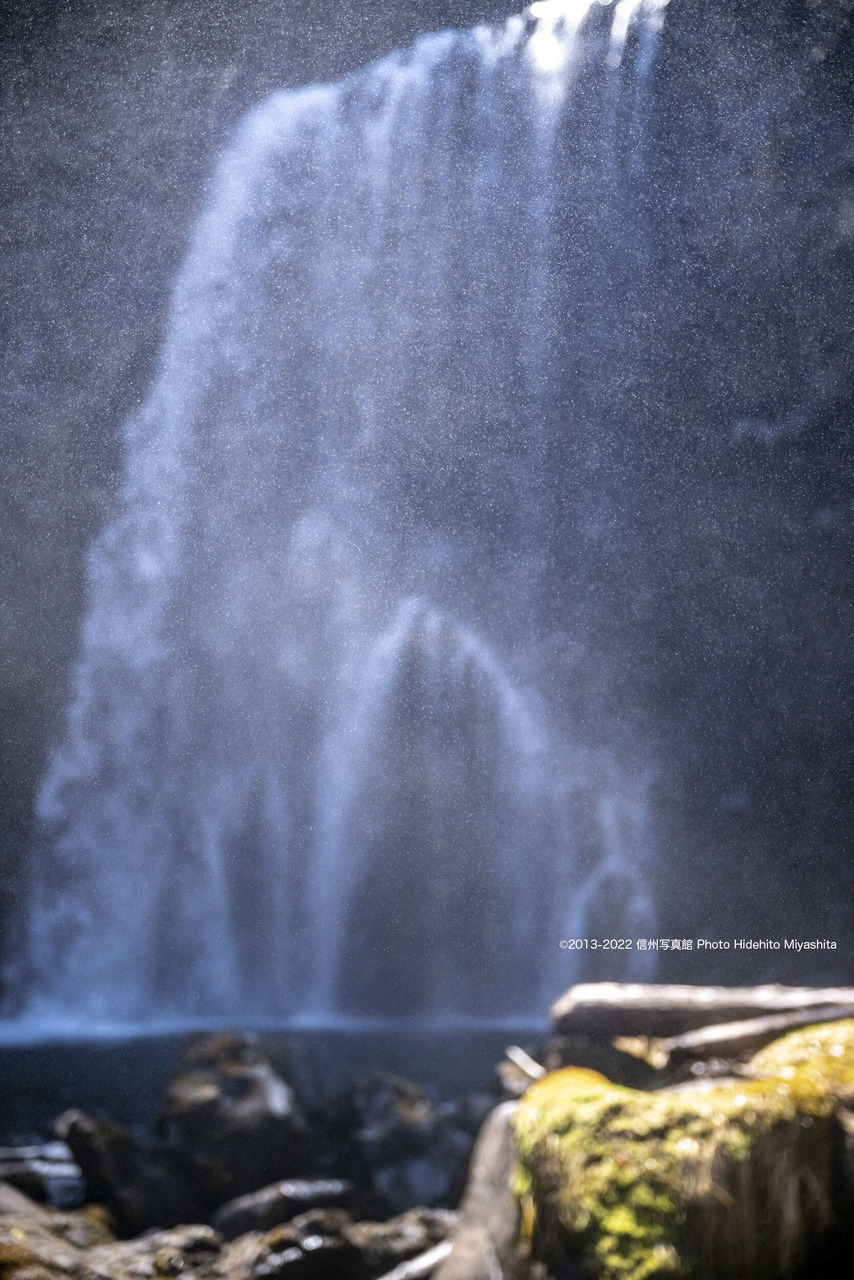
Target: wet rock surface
139,1181
247,1141
402,1147
232,1121
385,1244
329,1243
36,1244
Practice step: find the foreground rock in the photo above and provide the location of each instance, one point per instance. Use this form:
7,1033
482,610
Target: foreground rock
75,1246
36,1244
400,1146
136,1179
748,1179
230,1119
35,1241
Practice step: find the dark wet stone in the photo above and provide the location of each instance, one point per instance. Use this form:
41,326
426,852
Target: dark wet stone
232,1122
403,1147
137,1180
382,1245
328,1244
314,1245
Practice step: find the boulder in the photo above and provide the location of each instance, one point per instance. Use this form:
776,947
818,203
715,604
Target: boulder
733,1178
135,1178
400,1146
607,1009
231,1121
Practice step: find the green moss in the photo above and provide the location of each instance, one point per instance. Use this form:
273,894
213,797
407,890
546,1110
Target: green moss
733,1179
817,1059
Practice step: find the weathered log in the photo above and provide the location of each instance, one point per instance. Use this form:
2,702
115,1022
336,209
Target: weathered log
729,1040
651,1009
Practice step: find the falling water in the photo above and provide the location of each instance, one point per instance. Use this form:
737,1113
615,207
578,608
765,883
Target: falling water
313,765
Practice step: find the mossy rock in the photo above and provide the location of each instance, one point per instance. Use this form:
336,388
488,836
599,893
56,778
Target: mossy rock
742,1180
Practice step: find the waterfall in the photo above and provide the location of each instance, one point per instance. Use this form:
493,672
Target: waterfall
313,764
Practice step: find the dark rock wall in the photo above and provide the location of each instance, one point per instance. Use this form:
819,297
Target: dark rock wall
726,489
750,348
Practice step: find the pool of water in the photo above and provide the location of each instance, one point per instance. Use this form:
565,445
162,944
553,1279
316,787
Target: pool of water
123,1076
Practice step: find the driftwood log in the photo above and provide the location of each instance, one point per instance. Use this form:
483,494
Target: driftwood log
728,1040
610,1009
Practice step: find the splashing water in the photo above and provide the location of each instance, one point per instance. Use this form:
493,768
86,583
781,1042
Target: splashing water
312,765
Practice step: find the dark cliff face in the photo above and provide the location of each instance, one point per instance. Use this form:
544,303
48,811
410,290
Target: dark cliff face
725,558
732,403
750,348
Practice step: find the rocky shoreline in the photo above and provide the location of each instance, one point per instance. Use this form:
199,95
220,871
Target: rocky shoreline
659,1131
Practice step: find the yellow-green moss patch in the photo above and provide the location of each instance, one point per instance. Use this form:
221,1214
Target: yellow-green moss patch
733,1179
